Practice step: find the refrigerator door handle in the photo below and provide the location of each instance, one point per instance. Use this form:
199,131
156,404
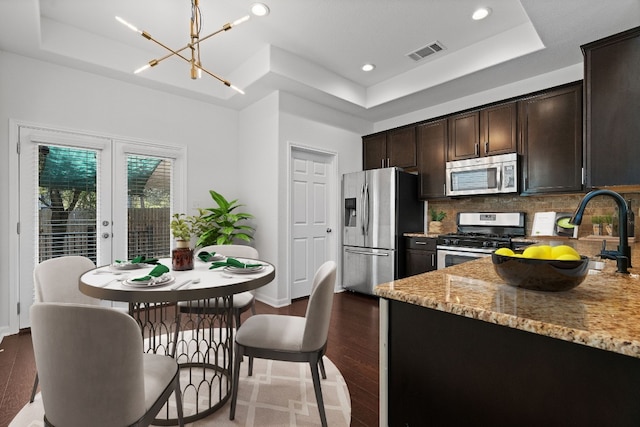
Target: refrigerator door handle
362,218
351,251
366,208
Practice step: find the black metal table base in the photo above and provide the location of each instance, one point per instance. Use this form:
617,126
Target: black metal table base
199,335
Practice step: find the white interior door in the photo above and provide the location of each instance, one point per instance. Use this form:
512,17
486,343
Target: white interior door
312,191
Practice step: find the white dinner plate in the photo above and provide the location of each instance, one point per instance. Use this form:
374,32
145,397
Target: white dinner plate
120,266
247,270
163,280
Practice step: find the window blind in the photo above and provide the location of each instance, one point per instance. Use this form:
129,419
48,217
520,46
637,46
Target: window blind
149,206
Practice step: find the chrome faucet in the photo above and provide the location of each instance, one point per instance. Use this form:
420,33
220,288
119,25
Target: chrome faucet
623,254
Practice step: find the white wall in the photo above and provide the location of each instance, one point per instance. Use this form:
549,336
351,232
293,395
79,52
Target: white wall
266,130
48,94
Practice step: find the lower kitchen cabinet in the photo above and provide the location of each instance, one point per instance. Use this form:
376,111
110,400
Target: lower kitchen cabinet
447,369
421,255
551,141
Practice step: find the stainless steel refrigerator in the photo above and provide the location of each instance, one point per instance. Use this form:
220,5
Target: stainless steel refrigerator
379,206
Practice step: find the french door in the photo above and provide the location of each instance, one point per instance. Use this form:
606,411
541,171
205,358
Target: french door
93,196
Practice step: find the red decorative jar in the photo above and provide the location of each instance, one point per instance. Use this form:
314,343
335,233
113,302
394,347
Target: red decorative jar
182,256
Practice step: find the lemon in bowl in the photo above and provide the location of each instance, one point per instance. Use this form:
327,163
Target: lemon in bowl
535,269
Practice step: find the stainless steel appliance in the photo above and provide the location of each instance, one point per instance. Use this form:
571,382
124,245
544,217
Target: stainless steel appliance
379,206
479,234
484,175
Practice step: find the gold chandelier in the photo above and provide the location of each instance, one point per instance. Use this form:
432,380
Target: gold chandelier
193,45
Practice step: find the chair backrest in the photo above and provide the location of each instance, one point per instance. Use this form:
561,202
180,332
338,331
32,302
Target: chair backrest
56,280
319,307
241,251
90,364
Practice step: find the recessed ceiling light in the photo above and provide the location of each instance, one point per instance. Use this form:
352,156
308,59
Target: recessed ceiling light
260,9
481,13
368,67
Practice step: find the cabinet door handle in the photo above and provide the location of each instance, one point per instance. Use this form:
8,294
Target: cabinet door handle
381,163
433,259
486,147
420,243
476,149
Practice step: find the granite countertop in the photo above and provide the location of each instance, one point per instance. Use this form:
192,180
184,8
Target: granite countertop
602,312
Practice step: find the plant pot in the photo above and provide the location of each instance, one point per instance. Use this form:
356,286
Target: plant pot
435,227
608,229
182,256
597,229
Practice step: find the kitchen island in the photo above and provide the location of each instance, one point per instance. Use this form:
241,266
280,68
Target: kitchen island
460,347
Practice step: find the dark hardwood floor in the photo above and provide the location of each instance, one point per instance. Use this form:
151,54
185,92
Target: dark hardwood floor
353,348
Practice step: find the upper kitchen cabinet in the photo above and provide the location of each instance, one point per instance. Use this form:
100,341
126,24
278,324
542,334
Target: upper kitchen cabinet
551,132
393,148
612,106
431,144
485,132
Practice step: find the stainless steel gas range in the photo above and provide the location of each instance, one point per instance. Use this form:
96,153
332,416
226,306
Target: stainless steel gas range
479,234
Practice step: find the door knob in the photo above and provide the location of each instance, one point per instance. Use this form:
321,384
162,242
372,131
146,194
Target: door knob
328,230
105,223
105,235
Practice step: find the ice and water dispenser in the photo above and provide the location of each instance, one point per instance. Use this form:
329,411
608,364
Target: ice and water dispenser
350,212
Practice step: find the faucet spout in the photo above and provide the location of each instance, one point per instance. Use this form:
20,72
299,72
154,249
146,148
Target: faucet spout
624,251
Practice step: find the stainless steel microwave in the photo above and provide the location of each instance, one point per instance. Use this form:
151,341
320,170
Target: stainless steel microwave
484,175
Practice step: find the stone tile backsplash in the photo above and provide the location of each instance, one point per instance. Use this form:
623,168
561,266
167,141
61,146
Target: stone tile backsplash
530,205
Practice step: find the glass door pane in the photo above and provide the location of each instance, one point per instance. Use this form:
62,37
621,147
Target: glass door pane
67,182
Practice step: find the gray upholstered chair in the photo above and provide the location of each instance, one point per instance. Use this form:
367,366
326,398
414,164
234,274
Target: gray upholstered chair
290,338
242,301
93,371
56,280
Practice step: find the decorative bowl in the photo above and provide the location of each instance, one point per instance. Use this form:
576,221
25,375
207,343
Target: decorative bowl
541,274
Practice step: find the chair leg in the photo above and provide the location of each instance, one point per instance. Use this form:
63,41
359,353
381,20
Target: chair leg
250,365
236,315
175,335
322,371
318,389
253,307
178,395
35,388
236,380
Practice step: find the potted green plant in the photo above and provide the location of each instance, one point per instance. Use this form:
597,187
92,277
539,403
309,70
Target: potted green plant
222,225
435,225
182,227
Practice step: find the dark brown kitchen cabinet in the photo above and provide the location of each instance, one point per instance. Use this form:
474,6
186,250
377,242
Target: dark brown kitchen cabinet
551,132
374,151
420,256
392,148
485,132
431,145
612,110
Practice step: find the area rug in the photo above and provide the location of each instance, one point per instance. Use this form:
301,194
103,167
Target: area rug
278,394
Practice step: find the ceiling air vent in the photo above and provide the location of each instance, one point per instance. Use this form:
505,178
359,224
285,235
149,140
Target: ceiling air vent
423,52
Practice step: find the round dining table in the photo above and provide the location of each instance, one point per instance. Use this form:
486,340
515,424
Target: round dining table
186,315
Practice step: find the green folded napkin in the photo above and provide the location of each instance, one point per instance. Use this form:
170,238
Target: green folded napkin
232,262
140,259
206,256
157,271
